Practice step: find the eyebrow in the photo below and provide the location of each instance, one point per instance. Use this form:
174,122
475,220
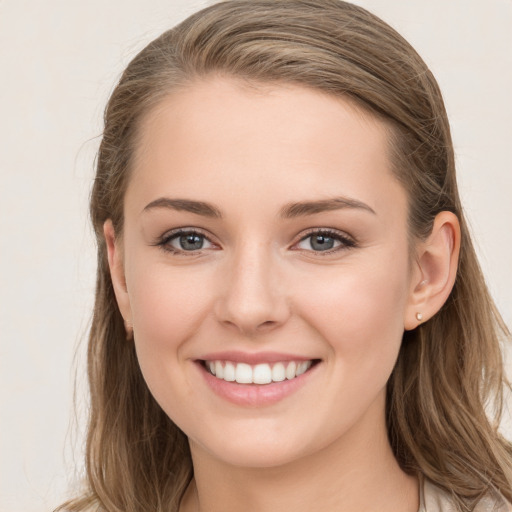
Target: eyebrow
187,205
289,211
292,210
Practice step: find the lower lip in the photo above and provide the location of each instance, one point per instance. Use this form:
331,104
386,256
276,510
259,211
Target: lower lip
255,395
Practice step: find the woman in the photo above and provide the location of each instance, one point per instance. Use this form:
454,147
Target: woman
289,310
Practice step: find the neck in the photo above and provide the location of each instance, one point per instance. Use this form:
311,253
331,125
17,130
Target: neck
357,472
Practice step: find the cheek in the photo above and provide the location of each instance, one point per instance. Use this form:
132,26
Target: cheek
168,306
359,311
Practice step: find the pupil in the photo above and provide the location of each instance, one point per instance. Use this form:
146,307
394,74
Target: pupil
322,243
191,242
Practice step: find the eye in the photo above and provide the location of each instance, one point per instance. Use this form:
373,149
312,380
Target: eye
326,241
184,241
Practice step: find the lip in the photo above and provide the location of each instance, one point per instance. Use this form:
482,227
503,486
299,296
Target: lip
254,395
253,358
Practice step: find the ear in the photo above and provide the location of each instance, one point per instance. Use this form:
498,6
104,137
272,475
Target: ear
115,263
434,271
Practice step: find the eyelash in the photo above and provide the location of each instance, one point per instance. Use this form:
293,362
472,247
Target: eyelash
164,241
346,242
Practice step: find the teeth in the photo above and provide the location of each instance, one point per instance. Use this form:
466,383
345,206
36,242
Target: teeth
219,370
258,374
301,368
290,370
262,374
243,373
278,372
229,372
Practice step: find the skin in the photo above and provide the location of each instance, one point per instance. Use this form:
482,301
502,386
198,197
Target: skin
259,285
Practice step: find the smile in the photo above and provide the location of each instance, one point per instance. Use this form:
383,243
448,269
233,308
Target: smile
257,379
263,373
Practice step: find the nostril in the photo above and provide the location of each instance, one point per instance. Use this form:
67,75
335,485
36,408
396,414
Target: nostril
267,323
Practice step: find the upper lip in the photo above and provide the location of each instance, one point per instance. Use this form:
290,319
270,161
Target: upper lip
252,358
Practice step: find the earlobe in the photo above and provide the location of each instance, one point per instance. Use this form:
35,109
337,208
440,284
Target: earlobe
116,266
435,272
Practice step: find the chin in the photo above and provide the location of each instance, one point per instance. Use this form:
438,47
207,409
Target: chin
256,456
259,449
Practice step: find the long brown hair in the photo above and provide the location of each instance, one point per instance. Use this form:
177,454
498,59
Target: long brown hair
445,394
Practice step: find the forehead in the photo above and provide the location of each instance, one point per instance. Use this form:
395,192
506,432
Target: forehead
220,135
217,102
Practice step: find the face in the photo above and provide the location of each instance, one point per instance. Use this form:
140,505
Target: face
265,241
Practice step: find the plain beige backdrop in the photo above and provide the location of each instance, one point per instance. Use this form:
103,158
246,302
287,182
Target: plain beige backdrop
59,60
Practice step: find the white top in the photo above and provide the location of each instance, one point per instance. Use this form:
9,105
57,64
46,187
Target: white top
435,499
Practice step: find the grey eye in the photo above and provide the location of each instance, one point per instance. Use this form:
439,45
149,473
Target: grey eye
324,241
321,242
189,242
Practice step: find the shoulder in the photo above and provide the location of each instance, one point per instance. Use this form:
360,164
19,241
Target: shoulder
435,499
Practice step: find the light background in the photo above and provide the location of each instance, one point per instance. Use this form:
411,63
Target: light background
59,60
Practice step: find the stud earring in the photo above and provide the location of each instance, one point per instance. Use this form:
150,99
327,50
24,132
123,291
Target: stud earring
419,317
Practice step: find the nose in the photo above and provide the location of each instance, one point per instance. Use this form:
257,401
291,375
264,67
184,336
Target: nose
252,296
